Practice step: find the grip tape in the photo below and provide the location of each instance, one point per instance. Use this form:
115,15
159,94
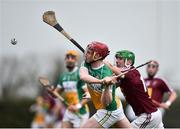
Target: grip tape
58,27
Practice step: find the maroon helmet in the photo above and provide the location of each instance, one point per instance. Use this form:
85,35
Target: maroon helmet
99,48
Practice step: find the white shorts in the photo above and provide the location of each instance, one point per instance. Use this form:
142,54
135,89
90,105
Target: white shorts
50,118
153,120
162,111
130,113
36,125
76,120
107,118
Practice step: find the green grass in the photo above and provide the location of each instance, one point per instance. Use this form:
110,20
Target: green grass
15,113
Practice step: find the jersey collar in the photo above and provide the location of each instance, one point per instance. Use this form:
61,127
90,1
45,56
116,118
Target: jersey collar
98,67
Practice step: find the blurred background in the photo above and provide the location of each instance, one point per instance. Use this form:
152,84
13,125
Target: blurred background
149,28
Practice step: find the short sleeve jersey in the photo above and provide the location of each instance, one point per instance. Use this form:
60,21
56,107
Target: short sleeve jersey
95,90
135,92
73,87
156,88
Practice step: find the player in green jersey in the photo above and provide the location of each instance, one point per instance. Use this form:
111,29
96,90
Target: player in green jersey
102,91
73,88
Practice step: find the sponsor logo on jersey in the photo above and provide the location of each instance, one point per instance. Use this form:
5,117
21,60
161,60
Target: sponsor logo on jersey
96,87
70,86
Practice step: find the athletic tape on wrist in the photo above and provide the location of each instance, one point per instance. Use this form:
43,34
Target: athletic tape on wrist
79,105
168,103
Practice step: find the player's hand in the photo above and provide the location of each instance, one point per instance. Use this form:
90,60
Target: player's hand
73,108
106,81
164,105
114,79
109,80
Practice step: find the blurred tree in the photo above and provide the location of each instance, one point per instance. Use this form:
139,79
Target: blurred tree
17,74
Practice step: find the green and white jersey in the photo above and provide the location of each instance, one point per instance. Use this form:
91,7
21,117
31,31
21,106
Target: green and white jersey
73,87
96,90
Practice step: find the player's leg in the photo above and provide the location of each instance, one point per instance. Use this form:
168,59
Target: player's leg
98,120
78,120
153,120
130,113
124,123
156,120
105,119
120,120
84,118
66,123
141,121
91,123
49,120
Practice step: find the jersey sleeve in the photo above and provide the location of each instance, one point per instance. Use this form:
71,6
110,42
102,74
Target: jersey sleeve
107,72
165,86
81,83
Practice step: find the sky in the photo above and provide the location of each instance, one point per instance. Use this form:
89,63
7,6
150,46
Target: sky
149,28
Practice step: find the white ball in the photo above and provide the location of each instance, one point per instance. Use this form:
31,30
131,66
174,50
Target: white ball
13,41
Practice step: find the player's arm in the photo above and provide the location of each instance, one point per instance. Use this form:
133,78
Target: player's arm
84,76
106,97
172,95
171,99
84,100
168,103
158,104
114,69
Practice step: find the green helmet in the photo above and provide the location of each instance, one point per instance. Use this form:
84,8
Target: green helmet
125,54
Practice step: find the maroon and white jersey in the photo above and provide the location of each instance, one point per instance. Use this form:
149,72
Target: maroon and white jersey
135,92
156,88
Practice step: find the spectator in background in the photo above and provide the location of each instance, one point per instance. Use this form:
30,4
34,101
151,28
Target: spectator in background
48,112
40,111
50,115
157,87
72,89
58,111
